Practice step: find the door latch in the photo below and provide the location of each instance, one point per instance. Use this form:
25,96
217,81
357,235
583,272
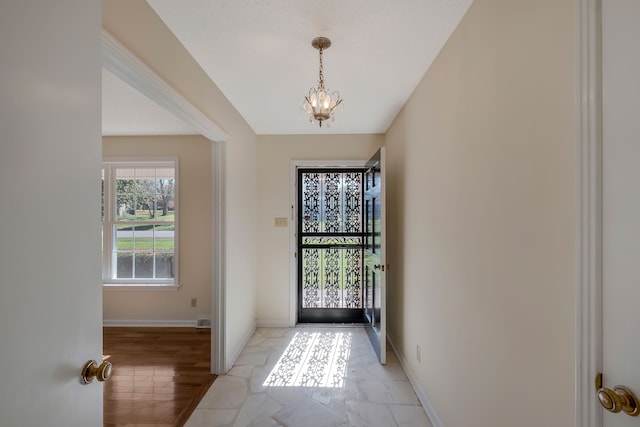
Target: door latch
618,399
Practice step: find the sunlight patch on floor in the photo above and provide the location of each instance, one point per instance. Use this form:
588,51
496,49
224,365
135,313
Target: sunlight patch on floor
313,359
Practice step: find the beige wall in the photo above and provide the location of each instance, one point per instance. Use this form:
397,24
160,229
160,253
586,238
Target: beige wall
136,26
195,206
482,217
275,153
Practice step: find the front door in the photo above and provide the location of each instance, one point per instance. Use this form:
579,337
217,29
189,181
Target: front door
330,241
50,151
375,267
621,200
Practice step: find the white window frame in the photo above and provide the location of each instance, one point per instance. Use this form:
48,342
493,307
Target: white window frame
108,167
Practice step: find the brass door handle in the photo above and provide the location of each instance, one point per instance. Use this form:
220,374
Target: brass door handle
91,371
618,399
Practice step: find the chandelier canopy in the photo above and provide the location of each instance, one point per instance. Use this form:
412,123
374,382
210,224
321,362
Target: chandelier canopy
320,103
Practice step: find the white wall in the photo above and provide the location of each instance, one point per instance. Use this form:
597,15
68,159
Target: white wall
195,210
481,197
138,28
275,153
50,292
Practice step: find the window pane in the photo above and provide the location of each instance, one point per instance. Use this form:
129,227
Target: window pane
165,199
125,207
145,250
164,238
165,173
143,265
137,194
138,238
126,200
124,238
164,265
124,265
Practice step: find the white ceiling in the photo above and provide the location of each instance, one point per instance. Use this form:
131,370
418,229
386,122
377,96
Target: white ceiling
259,54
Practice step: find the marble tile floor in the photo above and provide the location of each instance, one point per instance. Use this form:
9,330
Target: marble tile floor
311,377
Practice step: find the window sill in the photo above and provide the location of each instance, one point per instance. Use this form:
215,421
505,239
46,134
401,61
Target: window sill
138,287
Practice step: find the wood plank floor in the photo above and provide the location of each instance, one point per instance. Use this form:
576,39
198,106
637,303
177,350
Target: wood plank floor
159,375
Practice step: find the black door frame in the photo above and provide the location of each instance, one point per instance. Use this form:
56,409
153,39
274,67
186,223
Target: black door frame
327,315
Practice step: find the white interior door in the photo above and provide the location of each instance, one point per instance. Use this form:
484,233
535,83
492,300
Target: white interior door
621,200
50,151
375,266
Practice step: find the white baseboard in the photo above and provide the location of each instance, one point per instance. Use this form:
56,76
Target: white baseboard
150,323
422,396
273,324
236,353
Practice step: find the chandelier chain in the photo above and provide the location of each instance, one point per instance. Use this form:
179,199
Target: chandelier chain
321,72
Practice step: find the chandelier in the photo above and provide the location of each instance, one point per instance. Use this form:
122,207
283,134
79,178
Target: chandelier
319,104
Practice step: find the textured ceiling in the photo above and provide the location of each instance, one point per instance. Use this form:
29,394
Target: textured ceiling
259,54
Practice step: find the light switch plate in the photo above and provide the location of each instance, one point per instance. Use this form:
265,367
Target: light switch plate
280,222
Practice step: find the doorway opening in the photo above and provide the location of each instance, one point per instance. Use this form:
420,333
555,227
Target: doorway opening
330,243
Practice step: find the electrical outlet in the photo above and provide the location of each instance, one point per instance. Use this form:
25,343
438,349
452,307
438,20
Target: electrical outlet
418,355
194,302
280,222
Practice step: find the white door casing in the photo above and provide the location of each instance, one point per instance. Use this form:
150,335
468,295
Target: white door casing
293,242
589,212
50,152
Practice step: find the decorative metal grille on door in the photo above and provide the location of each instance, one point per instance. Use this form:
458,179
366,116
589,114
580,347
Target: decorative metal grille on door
330,239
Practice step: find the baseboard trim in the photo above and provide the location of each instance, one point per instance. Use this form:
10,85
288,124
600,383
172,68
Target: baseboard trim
422,396
273,324
150,323
236,353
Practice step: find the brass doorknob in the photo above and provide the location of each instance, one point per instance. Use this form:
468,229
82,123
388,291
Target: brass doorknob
91,370
618,399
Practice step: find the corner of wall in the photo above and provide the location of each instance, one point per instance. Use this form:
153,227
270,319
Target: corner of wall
233,356
415,383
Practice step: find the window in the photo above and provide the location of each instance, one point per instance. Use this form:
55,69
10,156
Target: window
139,217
